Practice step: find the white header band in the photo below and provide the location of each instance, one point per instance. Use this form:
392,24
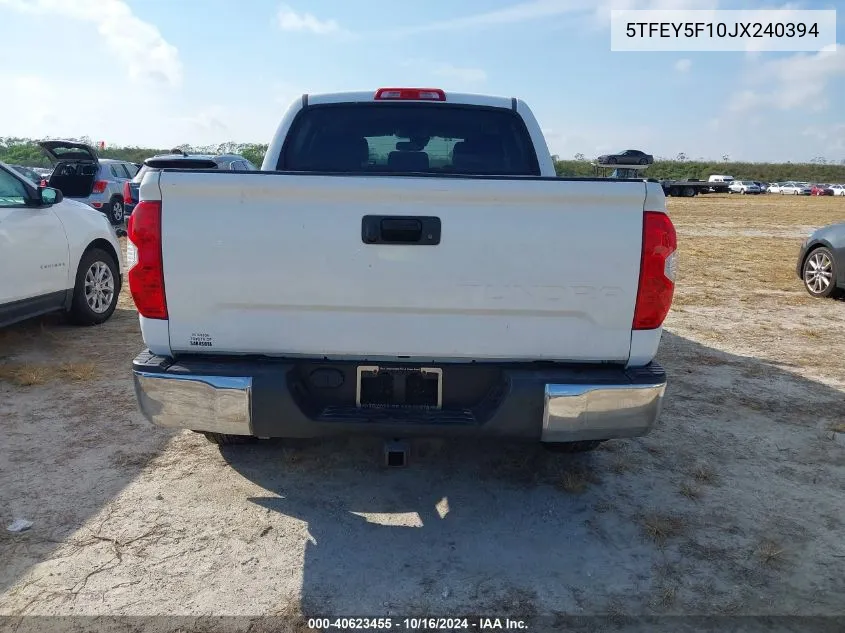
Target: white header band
722,30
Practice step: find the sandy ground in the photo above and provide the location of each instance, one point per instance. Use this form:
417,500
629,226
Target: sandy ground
735,504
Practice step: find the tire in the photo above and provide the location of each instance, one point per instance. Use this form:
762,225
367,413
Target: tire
611,161
96,289
116,211
819,273
572,447
689,192
643,161
221,439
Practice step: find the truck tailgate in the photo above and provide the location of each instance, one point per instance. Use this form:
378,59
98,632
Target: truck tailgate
275,263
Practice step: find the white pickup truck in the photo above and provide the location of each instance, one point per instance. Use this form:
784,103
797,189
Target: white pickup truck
405,264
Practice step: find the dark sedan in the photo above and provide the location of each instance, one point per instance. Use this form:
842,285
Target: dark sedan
628,157
821,262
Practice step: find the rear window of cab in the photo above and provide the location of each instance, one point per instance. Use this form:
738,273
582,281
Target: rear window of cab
434,138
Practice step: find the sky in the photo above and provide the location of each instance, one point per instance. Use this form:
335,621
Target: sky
165,72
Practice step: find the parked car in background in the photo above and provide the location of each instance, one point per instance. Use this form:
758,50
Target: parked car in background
59,255
821,190
233,162
744,186
719,183
762,185
30,174
821,261
838,190
626,157
157,163
795,189
774,187
82,175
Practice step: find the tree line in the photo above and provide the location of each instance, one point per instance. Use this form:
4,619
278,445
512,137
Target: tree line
24,151
664,169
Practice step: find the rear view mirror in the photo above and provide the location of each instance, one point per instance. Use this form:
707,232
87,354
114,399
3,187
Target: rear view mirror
50,196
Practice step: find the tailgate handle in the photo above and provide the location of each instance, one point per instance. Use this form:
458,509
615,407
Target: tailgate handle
401,230
406,230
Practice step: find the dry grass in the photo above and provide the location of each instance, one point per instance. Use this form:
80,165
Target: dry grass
24,375
666,596
767,211
573,481
770,553
703,473
811,334
622,465
661,527
690,491
751,258
30,375
78,372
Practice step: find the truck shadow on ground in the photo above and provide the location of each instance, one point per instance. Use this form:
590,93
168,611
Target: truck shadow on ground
477,526
516,531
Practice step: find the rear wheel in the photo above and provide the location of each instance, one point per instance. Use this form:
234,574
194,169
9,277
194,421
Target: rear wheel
96,289
819,273
115,212
643,161
572,447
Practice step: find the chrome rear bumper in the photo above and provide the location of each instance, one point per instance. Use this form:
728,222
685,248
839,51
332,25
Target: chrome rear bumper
558,405
593,412
218,404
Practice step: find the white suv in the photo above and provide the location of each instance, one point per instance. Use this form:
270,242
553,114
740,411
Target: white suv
81,175
55,255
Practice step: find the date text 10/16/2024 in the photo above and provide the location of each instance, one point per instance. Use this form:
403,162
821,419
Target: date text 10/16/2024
418,624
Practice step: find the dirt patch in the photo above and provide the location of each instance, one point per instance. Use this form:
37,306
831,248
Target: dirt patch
733,505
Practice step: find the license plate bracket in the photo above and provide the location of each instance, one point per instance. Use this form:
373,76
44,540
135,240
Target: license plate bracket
386,387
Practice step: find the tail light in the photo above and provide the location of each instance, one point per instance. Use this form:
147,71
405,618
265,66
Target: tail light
100,186
143,255
410,94
127,193
657,271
